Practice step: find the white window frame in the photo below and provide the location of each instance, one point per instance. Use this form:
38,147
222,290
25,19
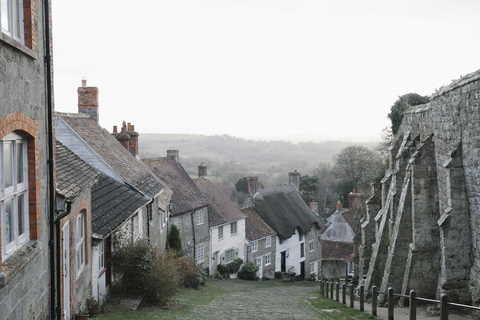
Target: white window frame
233,228
311,246
199,218
254,246
302,250
101,255
267,259
16,195
227,253
268,242
7,20
312,267
199,253
220,232
80,243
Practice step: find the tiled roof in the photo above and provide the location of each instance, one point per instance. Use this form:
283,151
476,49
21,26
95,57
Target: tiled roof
221,209
73,175
112,204
284,210
131,169
350,217
255,227
186,196
164,198
336,250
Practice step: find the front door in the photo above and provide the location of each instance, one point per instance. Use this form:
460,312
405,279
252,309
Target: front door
215,263
66,271
283,262
260,269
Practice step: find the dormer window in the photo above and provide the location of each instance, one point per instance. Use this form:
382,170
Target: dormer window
12,19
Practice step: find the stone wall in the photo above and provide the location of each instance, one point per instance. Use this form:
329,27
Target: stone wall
424,235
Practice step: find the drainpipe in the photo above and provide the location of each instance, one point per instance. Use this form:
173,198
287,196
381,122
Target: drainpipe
51,178
149,217
57,227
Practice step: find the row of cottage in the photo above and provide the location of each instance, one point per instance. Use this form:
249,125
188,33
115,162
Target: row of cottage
68,188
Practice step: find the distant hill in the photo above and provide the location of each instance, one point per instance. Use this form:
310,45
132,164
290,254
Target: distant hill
226,154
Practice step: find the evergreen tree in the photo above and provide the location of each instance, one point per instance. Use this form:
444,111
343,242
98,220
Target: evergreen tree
174,241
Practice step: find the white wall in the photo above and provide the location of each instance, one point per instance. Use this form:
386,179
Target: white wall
236,241
292,247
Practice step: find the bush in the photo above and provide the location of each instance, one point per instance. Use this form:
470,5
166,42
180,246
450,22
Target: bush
192,276
248,271
224,270
147,271
278,274
174,241
401,105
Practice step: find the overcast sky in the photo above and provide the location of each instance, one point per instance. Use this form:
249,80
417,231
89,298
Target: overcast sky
258,68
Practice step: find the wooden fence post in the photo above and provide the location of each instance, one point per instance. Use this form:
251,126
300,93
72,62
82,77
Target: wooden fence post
331,290
374,301
390,304
322,287
337,293
362,298
351,296
344,294
326,289
444,307
413,305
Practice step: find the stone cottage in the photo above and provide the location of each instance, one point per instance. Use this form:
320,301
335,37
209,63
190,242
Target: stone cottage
189,207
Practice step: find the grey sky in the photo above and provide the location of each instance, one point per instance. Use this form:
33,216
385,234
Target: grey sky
259,68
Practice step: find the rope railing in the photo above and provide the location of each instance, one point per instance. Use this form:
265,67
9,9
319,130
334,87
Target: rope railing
412,298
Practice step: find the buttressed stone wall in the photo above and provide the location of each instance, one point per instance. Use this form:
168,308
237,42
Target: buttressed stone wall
421,230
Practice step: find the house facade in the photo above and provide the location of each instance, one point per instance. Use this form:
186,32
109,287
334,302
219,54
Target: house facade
24,145
297,228
189,206
226,222
260,243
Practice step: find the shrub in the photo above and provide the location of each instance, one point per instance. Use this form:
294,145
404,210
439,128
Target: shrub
192,275
278,274
174,241
225,270
401,105
147,271
248,271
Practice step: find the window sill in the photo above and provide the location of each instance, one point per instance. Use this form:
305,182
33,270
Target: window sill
13,264
18,45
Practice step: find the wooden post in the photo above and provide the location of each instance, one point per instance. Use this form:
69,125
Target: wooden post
322,287
344,294
362,298
351,296
337,293
326,289
413,305
444,307
374,301
390,304
331,290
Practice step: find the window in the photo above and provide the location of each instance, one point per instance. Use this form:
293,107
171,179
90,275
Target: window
136,232
11,18
13,193
199,218
312,267
310,246
220,232
199,253
229,256
300,235
302,250
267,259
254,246
233,228
101,255
259,262
268,242
80,245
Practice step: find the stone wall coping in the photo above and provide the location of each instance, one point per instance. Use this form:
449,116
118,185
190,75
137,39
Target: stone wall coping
13,264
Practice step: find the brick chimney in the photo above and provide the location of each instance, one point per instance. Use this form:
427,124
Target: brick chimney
202,170
294,178
133,138
252,184
353,199
88,100
314,207
174,154
128,137
339,205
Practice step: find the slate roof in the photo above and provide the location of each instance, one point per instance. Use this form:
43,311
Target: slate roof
350,217
111,154
284,210
255,227
186,196
112,204
221,209
73,175
339,231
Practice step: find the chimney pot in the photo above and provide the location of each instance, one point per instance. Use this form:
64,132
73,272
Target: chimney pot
339,205
133,127
114,129
88,100
294,178
129,126
123,130
252,183
202,170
